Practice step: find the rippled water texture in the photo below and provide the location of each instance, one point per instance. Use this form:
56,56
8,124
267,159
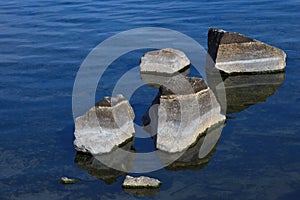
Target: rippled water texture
42,45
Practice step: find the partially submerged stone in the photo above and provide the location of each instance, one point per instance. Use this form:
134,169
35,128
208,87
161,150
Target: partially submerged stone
66,180
140,182
183,114
166,61
105,126
235,53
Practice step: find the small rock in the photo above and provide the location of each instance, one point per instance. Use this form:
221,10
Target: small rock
166,61
235,53
105,126
66,180
140,182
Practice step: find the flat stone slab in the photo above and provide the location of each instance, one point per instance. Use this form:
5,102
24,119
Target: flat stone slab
140,182
236,53
105,126
166,61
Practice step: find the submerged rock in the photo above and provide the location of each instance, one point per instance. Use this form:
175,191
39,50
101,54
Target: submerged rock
105,126
66,180
166,61
183,114
140,182
235,53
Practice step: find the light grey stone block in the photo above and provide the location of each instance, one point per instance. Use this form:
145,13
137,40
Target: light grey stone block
105,126
140,182
235,53
166,61
182,116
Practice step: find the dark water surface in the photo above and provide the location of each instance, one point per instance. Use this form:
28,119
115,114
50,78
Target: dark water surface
42,45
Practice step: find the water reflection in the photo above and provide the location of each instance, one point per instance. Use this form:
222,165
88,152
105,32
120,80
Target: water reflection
243,91
142,192
199,155
96,168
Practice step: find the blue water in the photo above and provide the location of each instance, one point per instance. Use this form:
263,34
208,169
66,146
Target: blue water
42,45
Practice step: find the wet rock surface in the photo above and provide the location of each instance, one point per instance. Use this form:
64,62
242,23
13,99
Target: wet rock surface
140,182
167,61
105,126
235,53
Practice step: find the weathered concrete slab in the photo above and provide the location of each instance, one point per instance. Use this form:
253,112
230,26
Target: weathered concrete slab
140,182
236,53
167,61
105,126
182,116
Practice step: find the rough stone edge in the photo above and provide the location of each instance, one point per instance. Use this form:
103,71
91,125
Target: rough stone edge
141,187
223,73
200,133
128,140
182,70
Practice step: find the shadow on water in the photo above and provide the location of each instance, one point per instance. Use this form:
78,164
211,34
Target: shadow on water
198,155
243,91
93,165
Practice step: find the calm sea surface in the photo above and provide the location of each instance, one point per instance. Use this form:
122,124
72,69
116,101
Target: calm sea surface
42,45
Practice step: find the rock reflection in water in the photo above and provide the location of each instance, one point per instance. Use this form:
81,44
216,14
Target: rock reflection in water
197,156
95,165
142,192
243,91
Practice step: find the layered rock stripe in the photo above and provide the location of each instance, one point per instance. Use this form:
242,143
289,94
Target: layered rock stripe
236,53
105,126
